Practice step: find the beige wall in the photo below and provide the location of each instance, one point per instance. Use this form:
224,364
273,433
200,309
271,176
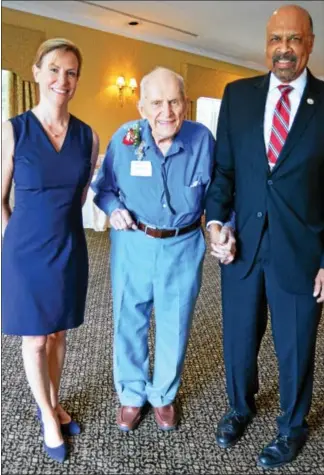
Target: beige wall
107,56
18,49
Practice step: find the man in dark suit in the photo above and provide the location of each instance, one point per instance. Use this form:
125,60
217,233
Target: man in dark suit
270,171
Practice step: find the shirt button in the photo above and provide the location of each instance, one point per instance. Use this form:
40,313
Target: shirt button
270,182
259,214
164,205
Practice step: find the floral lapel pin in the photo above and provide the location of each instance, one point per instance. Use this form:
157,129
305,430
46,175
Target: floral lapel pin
133,137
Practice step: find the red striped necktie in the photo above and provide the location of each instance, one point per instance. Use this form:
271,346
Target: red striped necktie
280,124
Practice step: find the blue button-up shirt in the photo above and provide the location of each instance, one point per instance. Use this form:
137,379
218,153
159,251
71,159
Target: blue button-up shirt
173,196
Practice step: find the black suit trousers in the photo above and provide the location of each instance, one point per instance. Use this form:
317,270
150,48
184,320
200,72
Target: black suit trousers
294,322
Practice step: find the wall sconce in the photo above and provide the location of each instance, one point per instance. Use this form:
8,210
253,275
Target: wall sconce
121,83
132,84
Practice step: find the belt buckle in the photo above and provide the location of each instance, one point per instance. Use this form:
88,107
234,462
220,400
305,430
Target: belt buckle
176,232
145,230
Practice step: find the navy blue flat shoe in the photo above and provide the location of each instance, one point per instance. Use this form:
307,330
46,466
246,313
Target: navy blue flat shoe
58,454
68,429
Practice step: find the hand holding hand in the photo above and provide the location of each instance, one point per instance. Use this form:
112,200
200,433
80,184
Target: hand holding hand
223,244
319,286
121,220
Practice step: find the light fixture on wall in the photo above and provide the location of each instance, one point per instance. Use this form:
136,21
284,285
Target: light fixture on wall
132,84
121,83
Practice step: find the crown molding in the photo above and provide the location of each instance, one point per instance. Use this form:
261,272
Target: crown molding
44,9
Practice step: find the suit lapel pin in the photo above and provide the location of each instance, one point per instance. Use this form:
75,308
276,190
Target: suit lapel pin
310,101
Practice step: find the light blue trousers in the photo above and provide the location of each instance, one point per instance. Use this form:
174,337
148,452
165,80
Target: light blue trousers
165,273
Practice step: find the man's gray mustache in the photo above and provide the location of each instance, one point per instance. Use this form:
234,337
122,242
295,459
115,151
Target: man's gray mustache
277,58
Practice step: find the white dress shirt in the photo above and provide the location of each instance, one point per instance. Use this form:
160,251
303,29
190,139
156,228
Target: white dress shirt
273,97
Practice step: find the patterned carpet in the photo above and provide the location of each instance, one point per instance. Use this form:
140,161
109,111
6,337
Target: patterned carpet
87,391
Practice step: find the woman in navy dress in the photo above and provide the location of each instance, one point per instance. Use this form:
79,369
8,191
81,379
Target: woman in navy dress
50,155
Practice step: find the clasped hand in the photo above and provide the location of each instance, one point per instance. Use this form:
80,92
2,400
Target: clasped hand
319,286
121,220
223,243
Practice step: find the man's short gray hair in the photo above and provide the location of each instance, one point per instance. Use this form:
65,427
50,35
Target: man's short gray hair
148,77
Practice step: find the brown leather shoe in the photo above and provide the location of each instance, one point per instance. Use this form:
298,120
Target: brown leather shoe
128,417
166,417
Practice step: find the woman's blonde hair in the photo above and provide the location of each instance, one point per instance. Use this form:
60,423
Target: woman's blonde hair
57,43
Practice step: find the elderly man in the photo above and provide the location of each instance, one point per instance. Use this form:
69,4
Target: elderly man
270,169
152,184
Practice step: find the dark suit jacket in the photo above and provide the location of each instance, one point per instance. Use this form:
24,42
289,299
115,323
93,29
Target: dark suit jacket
291,197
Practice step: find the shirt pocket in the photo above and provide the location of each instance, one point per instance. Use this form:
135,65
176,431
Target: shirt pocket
194,190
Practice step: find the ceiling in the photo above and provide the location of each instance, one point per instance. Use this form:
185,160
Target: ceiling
232,31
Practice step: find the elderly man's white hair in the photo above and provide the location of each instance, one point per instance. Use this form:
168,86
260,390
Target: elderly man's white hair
149,76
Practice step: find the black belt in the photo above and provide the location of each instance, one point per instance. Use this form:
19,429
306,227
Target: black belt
166,233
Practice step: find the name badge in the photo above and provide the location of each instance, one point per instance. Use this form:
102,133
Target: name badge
141,168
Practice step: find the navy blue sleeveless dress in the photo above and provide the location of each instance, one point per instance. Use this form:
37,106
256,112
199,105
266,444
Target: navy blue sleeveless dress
44,254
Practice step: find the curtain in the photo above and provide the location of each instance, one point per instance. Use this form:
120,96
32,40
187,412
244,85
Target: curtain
22,94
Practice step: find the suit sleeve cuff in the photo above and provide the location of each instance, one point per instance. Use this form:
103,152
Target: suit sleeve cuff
322,261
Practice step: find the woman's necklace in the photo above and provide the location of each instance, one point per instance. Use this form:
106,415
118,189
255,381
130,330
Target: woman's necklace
54,133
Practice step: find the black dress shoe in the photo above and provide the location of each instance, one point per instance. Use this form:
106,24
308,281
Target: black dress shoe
231,428
280,451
